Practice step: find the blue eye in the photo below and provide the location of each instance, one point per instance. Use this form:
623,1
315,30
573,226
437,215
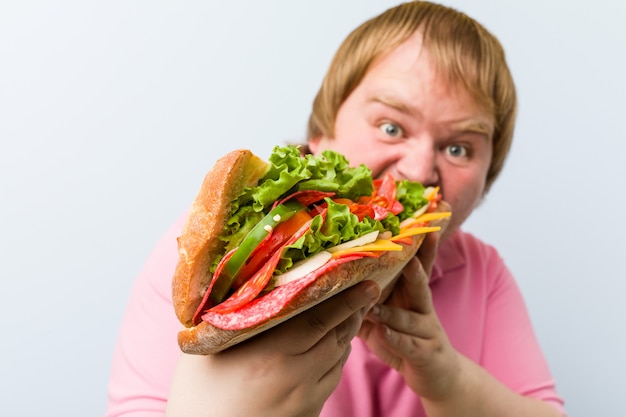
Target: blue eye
457,151
391,129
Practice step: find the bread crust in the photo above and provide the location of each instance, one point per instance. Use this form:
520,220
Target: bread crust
198,243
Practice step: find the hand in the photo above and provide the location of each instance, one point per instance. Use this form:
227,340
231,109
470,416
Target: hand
289,370
405,331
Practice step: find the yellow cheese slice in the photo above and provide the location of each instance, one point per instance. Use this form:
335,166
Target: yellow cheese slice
380,245
412,231
433,216
433,194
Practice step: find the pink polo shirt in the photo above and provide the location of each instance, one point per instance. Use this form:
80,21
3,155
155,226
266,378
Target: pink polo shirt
474,294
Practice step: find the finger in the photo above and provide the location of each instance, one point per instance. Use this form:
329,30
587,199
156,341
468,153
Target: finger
428,251
403,321
314,324
321,380
401,345
341,352
332,347
414,290
336,310
376,336
332,350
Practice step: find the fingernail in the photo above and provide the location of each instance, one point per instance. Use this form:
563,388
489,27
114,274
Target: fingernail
387,332
372,292
375,310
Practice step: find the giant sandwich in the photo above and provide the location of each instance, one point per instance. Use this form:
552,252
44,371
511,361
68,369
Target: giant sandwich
266,240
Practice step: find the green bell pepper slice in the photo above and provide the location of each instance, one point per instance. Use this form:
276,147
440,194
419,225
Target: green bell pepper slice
259,232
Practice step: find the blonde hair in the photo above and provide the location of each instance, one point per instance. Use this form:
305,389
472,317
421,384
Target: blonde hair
464,52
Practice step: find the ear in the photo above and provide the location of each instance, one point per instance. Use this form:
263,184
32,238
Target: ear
314,144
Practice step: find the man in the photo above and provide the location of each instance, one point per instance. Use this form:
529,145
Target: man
422,92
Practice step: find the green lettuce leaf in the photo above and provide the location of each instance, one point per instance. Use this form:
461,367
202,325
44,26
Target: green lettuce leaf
411,195
340,226
290,172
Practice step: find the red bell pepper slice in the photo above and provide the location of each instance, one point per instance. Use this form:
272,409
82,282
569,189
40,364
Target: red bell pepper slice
250,289
306,197
255,285
363,210
407,240
274,240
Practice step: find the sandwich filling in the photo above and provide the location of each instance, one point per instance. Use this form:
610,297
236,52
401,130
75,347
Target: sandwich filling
308,214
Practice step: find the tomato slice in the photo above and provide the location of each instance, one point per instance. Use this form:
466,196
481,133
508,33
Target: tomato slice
384,196
380,212
387,188
396,207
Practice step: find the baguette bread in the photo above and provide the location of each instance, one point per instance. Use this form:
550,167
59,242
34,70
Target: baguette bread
198,245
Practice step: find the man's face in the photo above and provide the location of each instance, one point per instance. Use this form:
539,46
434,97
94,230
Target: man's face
403,119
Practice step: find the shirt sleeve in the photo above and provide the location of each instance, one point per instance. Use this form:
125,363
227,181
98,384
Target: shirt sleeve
146,350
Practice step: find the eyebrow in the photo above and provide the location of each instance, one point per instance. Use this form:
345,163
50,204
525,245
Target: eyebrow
469,126
388,101
475,126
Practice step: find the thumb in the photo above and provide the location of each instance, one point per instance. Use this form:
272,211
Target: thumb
428,251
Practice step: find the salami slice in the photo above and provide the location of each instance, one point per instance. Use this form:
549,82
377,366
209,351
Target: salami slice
270,304
251,288
205,303
306,197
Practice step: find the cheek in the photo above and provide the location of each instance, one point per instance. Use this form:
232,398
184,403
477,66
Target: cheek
463,191
377,157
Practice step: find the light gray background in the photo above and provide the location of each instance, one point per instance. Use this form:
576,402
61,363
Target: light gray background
112,111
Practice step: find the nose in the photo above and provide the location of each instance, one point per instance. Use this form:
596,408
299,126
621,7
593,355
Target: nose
419,162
